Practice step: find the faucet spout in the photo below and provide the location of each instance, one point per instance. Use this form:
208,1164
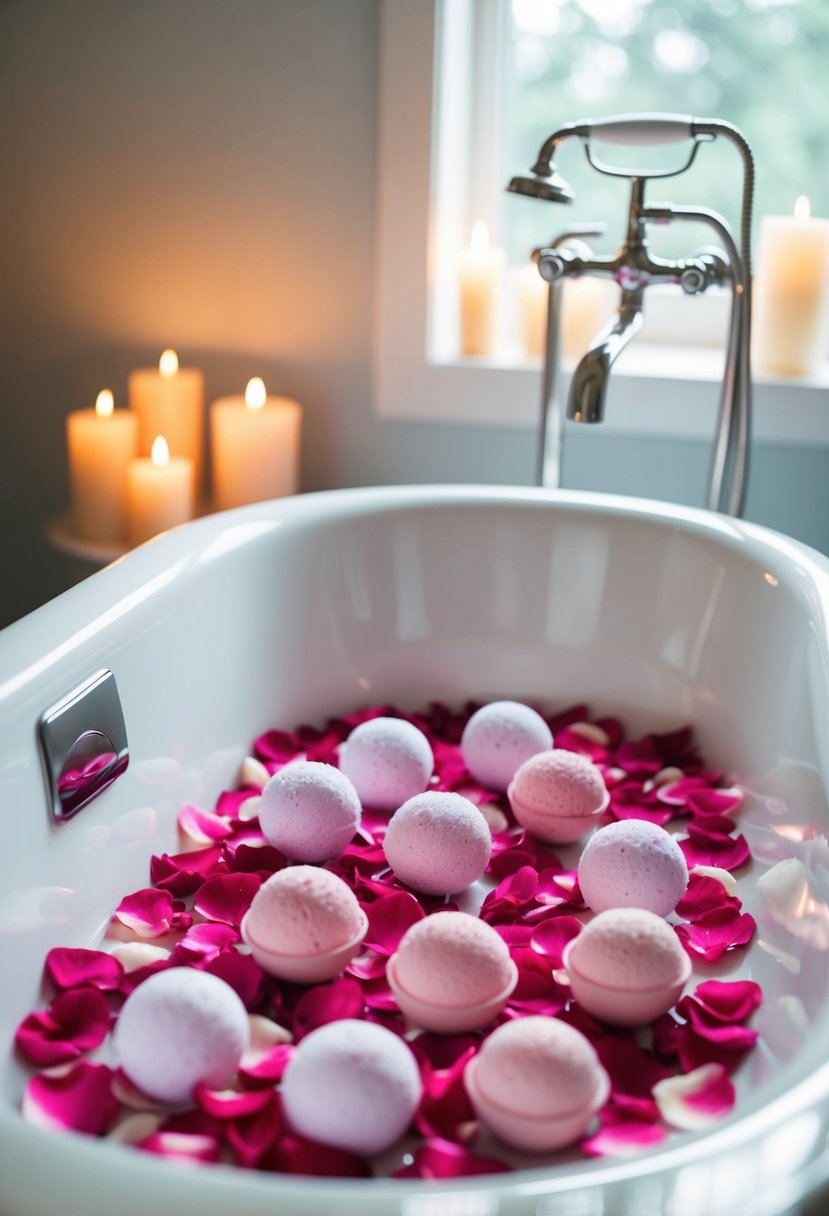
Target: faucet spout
588,388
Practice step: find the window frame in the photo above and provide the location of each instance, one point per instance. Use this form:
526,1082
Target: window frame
423,120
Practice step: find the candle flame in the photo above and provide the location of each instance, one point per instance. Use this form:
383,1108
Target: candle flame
802,209
255,394
160,453
168,363
104,403
480,237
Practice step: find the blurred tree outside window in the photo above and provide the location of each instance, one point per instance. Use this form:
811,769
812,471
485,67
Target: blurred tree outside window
760,64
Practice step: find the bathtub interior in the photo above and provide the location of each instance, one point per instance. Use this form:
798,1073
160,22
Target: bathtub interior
290,612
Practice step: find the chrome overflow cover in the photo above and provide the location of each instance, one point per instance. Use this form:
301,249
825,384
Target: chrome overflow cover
83,741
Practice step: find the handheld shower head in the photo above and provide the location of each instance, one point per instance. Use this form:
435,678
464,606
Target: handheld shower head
550,187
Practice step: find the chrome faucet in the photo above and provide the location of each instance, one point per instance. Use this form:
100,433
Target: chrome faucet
634,268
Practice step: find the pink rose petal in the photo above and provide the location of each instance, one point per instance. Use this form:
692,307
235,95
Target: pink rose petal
327,1003
231,1103
265,1068
79,1100
73,968
620,1136
703,801
695,1101
76,1021
183,873
725,1001
242,972
704,895
276,746
203,827
717,932
248,856
205,941
251,1136
295,1155
708,847
227,898
388,919
183,1147
551,936
148,913
633,1071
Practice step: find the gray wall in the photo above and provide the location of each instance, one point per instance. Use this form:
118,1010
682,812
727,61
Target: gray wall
163,184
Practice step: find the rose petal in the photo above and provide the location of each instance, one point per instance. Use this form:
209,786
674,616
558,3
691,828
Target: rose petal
242,972
445,1110
445,1159
205,941
296,1155
704,801
695,1101
249,857
76,1021
717,932
78,1100
551,936
327,1003
183,873
230,1103
227,898
704,895
71,968
251,1136
148,913
633,1071
182,1146
621,1136
203,827
696,1049
388,919
265,1068
709,848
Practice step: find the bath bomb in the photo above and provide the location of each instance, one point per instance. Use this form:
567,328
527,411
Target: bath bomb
558,795
180,1027
536,1083
451,972
352,1085
632,864
626,966
499,737
388,761
438,843
309,811
304,924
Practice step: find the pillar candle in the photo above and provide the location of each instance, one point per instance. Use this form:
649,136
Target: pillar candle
481,269
169,401
101,443
791,296
532,293
160,492
254,443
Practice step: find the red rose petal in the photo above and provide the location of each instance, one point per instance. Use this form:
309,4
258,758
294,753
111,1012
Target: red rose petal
71,968
79,1100
729,1001
633,1071
717,932
704,802
182,1146
242,972
444,1159
620,1136
183,873
251,1136
295,1155
551,936
230,1103
267,1067
227,898
696,1049
327,1003
202,826
277,746
388,919
76,1021
704,895
148,913
710,848
445,1110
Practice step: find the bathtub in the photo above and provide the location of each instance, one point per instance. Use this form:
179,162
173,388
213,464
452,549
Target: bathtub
289,611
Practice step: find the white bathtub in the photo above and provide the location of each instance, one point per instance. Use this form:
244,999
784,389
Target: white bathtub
289,611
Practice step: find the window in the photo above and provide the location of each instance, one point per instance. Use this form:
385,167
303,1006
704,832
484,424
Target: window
424,214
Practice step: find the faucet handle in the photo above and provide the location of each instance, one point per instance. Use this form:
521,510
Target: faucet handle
642,130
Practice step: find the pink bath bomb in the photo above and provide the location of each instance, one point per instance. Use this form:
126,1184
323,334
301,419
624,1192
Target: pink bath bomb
558,795
632,864
438,843
388,761
451,972
309,811
352,1085
626,966
303,911
499,737
536,1083
178,1028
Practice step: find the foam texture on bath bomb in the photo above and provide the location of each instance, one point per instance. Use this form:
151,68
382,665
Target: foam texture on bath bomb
438,843
388,761
309,811
632,864
180,1027
559,783
630,949
453,960
499,737
352,1085
303,911
539,1066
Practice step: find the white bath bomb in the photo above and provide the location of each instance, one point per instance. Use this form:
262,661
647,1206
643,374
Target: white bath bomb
499,737
180,1027
438,843
632,864
352,1085
388,761
309,811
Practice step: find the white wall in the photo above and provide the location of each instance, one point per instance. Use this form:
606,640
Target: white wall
201,174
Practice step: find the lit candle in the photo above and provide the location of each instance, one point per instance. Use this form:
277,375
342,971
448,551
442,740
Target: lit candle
101,442
792,292
532,293
159,492
169,401
254,441
481,269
